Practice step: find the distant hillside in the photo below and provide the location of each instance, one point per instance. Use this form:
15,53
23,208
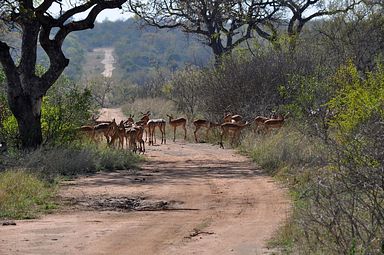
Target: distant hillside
140,49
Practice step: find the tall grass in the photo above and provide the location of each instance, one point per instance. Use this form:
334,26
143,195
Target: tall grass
23,195
283,148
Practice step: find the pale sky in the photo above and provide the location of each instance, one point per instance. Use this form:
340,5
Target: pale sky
109,14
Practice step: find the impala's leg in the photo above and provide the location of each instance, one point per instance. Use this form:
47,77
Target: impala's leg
174,133
221,139
120,142
93,135
123,139
207,133
139,142
106,135
143,145
233,138
163,133
149,132
152,135
237,140
185,132
197,128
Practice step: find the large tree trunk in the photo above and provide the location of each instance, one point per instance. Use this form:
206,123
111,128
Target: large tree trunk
27,111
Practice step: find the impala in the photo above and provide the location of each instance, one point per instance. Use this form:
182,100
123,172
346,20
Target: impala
139,137
152,124
229,117
259,123
117,132
88,131
129,121
274,123
104,128
231,128
199,123
144,120
131,134
178,122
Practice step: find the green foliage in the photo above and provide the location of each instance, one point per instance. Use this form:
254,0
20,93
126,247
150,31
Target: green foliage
8,124
307,97
64,109
23,195
356,99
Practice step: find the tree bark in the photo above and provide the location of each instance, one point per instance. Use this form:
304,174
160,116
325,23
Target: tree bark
27,111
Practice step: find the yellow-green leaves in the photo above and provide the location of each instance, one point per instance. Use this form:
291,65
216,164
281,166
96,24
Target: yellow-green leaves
356,99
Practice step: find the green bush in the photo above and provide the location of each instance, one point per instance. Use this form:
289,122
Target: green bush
24,195
65,108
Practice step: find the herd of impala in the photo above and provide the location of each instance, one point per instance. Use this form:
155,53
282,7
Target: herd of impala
132,133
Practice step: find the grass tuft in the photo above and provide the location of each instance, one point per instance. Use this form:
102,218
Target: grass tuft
23,195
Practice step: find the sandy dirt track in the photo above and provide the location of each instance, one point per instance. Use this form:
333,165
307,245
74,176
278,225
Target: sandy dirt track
107,114
108,61
194,199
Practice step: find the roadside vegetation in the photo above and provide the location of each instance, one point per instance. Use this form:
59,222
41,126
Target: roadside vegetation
326,80
329,151
29,179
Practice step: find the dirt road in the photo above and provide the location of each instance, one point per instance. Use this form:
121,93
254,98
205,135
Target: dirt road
187,199
108,61
107,114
